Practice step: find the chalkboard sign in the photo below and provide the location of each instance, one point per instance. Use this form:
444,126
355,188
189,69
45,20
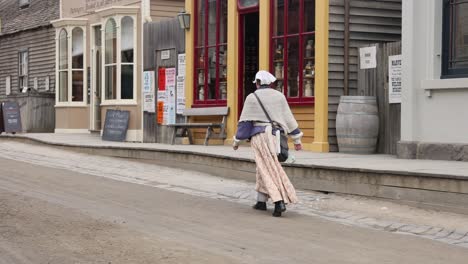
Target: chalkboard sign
116,125
11,117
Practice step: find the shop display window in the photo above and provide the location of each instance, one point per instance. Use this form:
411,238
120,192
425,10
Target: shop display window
77,64
119,59
127,51
71,68
455,39
293,48
110,66
210,86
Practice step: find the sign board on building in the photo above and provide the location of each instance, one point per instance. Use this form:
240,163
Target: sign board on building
149,104
11,117
116,125
74,8
368,57
394,79
165,54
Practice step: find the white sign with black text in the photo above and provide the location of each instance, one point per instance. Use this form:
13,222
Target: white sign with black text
368,58
394,79
149,104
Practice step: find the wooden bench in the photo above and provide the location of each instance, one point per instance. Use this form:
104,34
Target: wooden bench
198,112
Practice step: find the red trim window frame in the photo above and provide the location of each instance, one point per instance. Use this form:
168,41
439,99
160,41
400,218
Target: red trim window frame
299,38
210,60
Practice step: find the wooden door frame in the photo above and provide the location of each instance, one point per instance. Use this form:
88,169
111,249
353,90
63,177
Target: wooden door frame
93,79
240,45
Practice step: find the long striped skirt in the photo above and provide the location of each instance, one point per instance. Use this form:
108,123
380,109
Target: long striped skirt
271,177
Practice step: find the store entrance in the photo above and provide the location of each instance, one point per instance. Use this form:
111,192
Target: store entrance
248,51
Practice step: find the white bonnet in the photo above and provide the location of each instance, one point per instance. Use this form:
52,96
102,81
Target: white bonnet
265,78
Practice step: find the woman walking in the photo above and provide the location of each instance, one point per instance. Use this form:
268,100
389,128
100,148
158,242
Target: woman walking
254,124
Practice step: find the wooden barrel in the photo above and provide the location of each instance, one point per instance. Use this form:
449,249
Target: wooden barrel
357,124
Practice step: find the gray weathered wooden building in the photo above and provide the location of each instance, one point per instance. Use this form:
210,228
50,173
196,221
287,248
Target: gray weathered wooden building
27,60
354,24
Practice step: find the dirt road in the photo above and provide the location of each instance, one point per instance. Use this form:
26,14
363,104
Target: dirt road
57,216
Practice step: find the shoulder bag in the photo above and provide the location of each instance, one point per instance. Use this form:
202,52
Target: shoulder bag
284,148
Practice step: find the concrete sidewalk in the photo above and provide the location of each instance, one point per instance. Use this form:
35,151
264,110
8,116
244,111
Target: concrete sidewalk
440,184
375,163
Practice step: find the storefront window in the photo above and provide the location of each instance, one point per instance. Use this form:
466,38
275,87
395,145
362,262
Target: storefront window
293,49
63,66
119,67
455,30
71,70
127,68
77,64
111,59
211,52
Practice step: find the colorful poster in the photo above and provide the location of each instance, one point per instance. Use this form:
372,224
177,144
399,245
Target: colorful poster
170,77
394,79
162,79
160,112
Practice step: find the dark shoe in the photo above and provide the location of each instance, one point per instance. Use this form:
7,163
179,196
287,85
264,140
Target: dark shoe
279,208
260,206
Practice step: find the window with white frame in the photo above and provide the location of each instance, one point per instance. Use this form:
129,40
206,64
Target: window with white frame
71,65
23,70
77,70
119,60
63,66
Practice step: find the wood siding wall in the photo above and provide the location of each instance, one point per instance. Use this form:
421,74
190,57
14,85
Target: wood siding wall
305,118
158,36
40,43
370,22
163,9
374,82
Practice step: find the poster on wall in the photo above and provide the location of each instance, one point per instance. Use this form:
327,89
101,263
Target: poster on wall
180,100
161,95
166,96
181,65
162,79
170,113
394,79
160,112
180,94
170,77
368,57
171,100
149,105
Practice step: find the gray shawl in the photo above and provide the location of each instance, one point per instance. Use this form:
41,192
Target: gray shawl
275,104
